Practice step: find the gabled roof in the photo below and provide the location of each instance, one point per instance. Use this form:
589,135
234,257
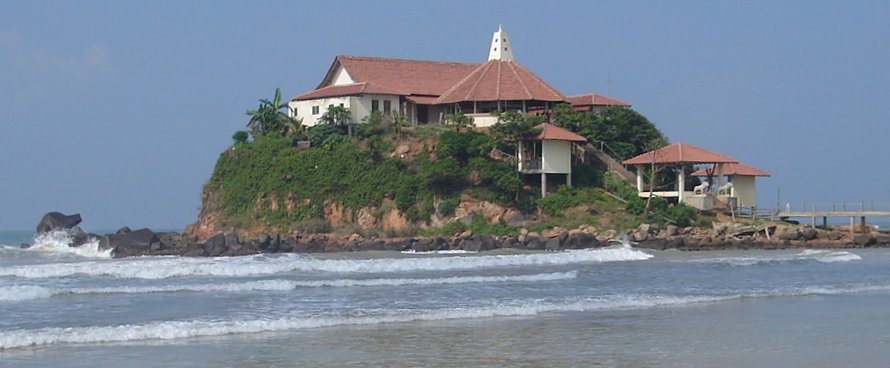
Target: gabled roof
593,99
679,153
553,132
501,80
738,169
400,76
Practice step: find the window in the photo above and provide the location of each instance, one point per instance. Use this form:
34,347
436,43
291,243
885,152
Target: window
314,110
387,106
331,106
375,105
295,112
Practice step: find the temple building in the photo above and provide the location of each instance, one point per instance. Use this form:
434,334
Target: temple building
426,91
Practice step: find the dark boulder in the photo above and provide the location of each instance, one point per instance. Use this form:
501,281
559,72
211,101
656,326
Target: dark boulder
215,246
57,221
552,244
581,241
134,243
194,250
809,233
80,238
534,243
123,230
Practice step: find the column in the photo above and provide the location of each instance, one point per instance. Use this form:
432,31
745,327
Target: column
639,178
543,184
681,184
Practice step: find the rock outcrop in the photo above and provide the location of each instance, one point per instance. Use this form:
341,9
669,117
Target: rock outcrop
57,221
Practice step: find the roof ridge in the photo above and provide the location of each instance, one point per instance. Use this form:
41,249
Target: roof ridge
467,78
521,82
542,81
402,59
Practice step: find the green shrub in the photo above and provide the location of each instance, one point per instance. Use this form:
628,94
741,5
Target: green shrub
448,205
585,176
240,137
313,226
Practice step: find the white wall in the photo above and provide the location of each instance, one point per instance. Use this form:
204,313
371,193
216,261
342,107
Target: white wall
557,156
745,189
304,108
342,77
483,120
359,106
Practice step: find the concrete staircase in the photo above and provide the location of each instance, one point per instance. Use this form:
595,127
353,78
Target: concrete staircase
601,160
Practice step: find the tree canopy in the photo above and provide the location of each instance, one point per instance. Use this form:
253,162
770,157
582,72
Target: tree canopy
626,132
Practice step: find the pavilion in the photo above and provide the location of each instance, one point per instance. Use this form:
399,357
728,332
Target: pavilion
681,156
743,179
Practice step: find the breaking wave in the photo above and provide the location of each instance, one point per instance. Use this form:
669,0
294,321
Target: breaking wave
20,293
809,255
167,267
169,330
58,241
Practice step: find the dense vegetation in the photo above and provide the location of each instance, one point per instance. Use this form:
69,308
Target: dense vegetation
272,180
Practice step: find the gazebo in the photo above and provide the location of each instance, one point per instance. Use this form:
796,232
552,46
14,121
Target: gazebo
743,179
681,156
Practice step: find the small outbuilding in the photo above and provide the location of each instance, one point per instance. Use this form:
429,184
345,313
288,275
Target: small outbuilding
743,179
548,152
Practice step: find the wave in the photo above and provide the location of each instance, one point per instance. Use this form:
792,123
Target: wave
58,241
808,255
169,330
21,293
167,267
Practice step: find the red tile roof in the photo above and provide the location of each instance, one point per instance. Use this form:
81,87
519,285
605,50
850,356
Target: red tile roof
553,132
334,91
422,100
593,99
679,153
738,169
501,80
400,76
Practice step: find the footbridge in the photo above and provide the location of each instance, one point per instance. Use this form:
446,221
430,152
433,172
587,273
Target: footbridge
852,210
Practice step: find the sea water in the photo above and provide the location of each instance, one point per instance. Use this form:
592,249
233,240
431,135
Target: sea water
612,307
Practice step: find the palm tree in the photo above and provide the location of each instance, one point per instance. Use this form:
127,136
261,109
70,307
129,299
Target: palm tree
268,117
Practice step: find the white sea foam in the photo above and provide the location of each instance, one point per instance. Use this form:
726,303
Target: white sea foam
168,330
166,267
20,293
186,329
58,241
824,256
447,251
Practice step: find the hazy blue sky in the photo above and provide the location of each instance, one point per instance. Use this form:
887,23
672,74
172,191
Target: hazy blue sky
119,109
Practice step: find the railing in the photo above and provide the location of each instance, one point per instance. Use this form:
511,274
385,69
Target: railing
836,207
532,165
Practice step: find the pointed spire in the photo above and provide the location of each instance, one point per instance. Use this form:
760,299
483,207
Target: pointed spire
500,46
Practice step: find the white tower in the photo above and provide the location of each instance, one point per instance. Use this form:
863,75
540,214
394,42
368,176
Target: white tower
500,46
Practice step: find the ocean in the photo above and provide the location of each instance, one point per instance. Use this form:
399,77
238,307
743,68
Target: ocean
611,307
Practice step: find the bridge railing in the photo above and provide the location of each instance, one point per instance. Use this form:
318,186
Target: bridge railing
841,206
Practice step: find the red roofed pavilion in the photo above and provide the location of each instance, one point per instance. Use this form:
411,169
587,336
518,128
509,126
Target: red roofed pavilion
743,179
681,156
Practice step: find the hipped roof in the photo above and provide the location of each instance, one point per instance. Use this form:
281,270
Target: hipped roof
553,132
593,99
737,169
501,80
679,153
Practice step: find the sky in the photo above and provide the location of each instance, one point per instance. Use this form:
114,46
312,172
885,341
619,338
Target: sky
118,110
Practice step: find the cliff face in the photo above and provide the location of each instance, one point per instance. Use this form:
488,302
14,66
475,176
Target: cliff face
338,219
